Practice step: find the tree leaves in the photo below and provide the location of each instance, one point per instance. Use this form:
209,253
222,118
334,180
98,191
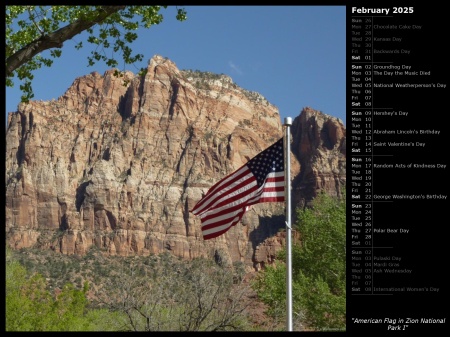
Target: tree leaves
111,29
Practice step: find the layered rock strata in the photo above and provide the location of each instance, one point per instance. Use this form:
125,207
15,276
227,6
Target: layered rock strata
118,162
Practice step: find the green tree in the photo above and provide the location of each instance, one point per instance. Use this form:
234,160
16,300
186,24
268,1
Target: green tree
31,30
318,268
69,308
28,303
31,307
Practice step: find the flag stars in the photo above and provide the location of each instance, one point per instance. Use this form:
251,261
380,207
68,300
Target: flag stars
267,161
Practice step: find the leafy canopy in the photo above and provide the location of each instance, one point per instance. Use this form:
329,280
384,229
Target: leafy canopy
31,30
31,306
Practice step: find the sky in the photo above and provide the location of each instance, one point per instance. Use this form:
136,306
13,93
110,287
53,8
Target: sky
294,56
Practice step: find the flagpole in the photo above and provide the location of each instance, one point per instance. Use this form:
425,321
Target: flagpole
287,168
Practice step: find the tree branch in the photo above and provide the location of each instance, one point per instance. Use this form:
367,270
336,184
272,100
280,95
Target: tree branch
56,39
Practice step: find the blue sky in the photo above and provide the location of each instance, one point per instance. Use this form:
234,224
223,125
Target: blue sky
292,55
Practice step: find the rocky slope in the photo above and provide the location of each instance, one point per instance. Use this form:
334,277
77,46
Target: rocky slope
118,162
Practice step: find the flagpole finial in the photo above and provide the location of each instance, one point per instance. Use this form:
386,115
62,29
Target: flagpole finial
288,121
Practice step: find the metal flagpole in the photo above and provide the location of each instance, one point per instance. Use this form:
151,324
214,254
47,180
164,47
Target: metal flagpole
287,185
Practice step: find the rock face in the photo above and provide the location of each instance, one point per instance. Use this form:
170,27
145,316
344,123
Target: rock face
118,162
319,143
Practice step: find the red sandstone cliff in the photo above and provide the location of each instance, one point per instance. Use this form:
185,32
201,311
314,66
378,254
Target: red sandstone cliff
120,166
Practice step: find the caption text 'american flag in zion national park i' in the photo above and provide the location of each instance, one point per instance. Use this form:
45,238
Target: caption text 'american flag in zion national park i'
259,180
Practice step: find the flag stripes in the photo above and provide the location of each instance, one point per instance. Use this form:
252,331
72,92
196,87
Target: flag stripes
225,203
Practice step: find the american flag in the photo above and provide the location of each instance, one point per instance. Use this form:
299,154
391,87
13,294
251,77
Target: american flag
260,180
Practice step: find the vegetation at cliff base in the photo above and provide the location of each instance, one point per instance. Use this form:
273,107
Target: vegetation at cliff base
152,293
30,306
